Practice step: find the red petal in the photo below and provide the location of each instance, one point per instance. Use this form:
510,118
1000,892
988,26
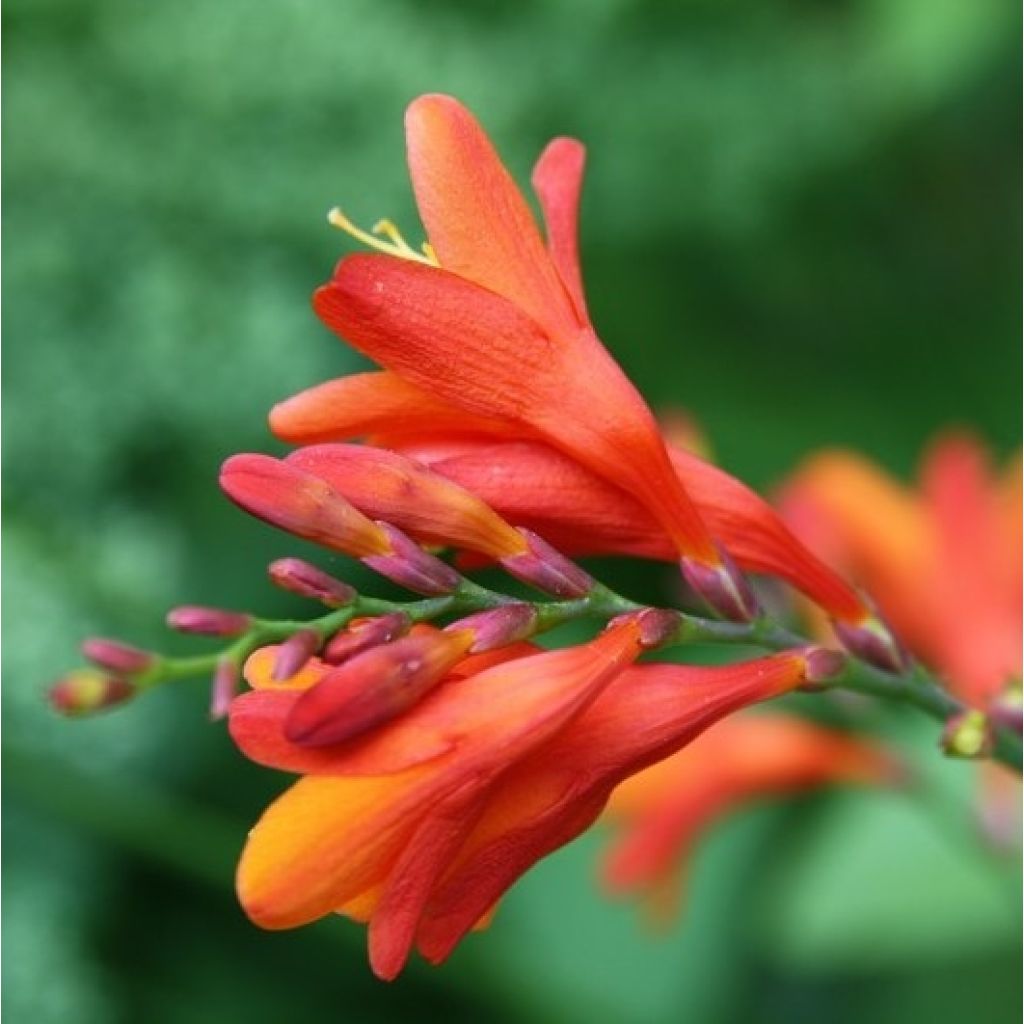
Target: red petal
558,181
476,218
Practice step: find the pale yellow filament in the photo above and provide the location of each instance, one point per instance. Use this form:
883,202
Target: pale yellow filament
392,243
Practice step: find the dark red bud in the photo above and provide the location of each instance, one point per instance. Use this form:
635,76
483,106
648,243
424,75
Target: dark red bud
208,621
116,656
306,580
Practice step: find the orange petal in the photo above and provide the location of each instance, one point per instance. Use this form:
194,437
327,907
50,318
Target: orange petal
476,218
259,669
386,486
558,181
325,841
369,403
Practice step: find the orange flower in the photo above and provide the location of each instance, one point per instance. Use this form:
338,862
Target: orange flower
663,811
420,826
942,560
493,323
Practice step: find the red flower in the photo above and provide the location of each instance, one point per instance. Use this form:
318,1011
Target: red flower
498,328
420,826
662,812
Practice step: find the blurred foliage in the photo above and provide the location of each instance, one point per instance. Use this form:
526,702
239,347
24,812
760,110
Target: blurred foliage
799,223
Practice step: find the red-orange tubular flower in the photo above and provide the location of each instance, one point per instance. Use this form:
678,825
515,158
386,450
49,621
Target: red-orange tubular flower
493,322
662,812
420,826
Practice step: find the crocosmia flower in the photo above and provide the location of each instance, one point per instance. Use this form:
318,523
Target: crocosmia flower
420,826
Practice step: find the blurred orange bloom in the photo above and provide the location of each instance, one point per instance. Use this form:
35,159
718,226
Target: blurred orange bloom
419,827
943,559
661,813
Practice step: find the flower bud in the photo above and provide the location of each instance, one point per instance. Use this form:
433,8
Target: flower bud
306,580
191,618
411,567
657,625
822,664
498,627
116,656
968,735
548,570
294,653
872,641
722,587
1007,708
85,691
223,688
362,634
301,503
374,687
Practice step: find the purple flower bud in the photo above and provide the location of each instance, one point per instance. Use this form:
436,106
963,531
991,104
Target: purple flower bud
363,634
294,653
657,625
116,656
411,567
85,691
498,627
307,580
543,567
722,587
823,664
208,621
872,641
222,691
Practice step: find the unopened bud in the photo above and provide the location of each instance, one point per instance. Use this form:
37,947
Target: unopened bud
294,653
374,687
548,570
86,691
411,567
968,735
223,688
657,625
299,502
722,587
873,641
299,577
191,618
363,634
822,664
116,656
498,627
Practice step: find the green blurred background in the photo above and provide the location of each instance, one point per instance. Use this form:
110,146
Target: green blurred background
799,223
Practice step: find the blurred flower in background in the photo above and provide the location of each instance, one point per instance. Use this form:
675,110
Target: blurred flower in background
807,206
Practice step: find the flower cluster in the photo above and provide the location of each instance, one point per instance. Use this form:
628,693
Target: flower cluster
440,751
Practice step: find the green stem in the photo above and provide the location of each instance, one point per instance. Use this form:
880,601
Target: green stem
916,688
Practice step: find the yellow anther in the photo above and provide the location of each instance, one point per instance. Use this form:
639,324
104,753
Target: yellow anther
393,243
428,251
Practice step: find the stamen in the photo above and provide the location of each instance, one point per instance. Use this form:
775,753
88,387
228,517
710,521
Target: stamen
395,245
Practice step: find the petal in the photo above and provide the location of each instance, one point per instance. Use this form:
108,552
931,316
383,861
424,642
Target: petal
476,218
325,841
368,403
558,181
259,671
386,486
477,351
